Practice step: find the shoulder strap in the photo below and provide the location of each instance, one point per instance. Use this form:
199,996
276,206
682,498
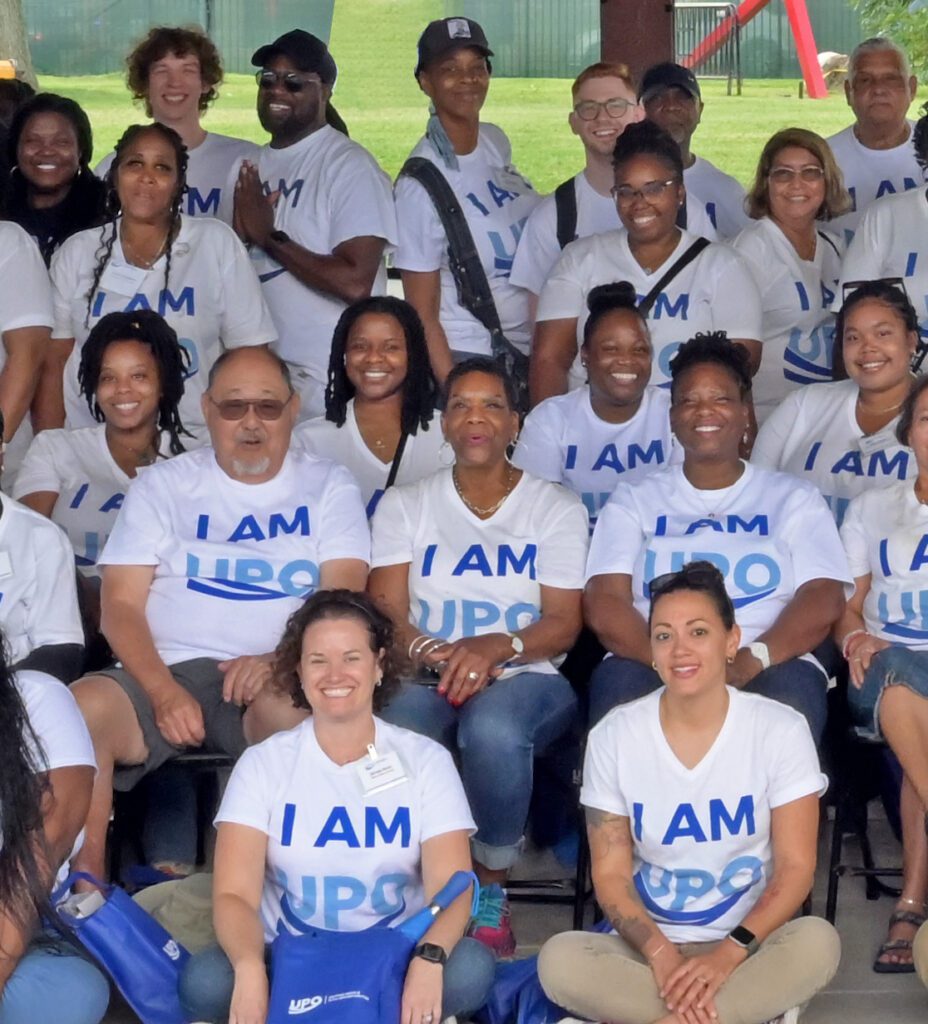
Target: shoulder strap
464,260
684,261
565,203
825,238
397,459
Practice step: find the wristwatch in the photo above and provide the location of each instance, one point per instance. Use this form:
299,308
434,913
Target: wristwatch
280,237
760,651
744,938
431,953
518,644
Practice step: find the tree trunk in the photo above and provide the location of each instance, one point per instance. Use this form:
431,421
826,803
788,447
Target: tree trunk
13,42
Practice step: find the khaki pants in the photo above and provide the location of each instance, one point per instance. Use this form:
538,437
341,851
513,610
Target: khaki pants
602,977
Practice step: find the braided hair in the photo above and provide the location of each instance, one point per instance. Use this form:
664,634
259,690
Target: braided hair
420,392
153,331
113,208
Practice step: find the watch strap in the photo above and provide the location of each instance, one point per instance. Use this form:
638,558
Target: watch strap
431,952
744,938
760,651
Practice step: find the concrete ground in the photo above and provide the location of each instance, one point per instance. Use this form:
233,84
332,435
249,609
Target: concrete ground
855,996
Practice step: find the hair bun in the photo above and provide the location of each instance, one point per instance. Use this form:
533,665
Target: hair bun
615,295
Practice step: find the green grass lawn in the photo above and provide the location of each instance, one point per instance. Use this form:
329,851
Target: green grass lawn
374,44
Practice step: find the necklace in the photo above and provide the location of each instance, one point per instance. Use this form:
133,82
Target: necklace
510,484
143,456
877,412
137,259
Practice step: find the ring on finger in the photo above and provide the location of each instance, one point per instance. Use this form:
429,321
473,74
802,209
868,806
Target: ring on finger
472,676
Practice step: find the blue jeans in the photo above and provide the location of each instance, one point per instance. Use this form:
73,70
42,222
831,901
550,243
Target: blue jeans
207,980
497,735
894,666
53,983
796,683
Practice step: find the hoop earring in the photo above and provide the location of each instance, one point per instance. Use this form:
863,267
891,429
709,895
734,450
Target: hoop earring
443,453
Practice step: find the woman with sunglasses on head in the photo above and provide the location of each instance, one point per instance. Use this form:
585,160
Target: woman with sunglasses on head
883,634
794,263
480,568
770,533
285,850
380,399
890,238
52,192
841,436
475,158
148,255
702,810
714,291
614,428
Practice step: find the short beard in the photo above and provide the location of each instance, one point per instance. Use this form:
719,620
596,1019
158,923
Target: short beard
245,469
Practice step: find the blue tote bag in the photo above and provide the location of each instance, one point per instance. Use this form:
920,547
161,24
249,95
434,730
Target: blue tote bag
129,944
351,976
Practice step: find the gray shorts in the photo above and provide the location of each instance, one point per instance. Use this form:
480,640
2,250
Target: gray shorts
222,721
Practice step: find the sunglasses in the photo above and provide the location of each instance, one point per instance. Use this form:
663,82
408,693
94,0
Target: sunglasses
893,282
810,174
266,409
291,81
698,574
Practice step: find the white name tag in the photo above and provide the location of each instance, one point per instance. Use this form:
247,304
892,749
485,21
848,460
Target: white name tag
123,278
6,565
880,441
380,773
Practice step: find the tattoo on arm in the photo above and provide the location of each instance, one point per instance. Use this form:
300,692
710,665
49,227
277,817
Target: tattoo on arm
610,835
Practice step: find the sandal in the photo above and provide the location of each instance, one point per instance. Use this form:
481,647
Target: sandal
897,946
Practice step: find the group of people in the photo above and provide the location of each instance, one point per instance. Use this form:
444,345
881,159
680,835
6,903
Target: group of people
263,508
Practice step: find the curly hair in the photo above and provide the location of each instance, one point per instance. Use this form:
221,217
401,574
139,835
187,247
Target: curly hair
837,199
23,788
153,331
713,347
645,138
162,40
480,364
420,391
335,604
113,206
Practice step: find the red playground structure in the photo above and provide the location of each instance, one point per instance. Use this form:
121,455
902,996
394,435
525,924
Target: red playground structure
801,26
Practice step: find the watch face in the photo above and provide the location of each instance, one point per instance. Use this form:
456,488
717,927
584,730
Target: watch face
518,644
431,952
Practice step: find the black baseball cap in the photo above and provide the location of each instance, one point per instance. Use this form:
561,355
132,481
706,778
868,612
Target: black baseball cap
667,76
306,51
449,34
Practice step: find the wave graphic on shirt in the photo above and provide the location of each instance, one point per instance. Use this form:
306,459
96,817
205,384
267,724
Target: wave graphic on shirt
906,632
698,918
235,590
741,602
299,925
804,371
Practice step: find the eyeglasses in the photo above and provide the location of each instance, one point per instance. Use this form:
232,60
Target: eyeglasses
699,574
291,81
266,409
588,110
650,190
810,173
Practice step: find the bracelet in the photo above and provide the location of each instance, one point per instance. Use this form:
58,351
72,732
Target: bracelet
848,638
650,956
416,640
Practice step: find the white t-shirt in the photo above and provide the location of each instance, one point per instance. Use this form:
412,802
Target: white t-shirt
564,440
885,534
538,249
891,242
496,201
470,576
796,297
714,292
870,174
59,726
344,444
212,171
38,592
814,435
331,190
337,859
233,560
702,849
720,193
77,465
768,534
213,301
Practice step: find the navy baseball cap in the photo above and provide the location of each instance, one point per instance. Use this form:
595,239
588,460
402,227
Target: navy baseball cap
307,52
447,35
667,76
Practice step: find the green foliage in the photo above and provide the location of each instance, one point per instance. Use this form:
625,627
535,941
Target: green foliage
892,18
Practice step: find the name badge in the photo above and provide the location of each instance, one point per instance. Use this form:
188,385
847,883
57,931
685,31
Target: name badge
6,565
123,278
880,441
378,773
